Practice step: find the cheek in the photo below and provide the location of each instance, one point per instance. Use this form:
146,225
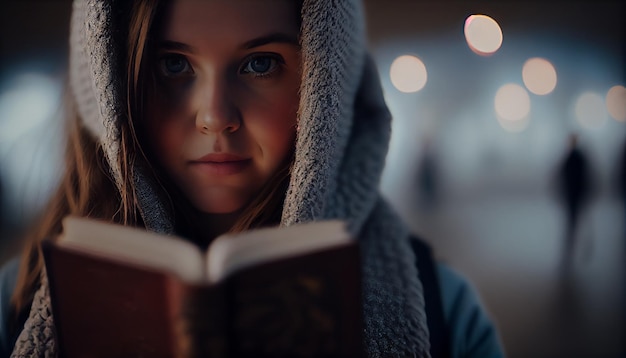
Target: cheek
167,119
164,140
165,134
275,130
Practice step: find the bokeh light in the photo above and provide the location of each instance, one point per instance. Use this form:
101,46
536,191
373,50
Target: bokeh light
590,110
31,141
539,76
408,74
31,99
483,34
616,102
512,102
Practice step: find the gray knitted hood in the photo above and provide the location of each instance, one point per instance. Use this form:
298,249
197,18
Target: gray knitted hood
344,129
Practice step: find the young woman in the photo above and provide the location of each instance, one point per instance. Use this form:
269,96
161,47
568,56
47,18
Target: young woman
201,117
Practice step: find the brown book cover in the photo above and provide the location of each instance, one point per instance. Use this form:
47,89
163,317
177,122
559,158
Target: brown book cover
262,293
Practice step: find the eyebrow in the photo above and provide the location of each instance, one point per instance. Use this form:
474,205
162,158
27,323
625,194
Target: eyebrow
271,38
257,42
176,46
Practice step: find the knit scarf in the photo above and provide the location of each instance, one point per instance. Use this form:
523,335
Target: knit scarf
344,130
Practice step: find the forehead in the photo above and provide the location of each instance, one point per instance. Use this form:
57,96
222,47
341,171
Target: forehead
194,20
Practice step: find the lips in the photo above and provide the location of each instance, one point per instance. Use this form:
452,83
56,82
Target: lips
220,158
221,163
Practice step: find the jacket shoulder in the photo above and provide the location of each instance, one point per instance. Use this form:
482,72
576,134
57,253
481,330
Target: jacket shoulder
470,328
458,322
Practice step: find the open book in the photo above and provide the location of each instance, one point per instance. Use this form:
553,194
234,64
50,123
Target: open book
290,292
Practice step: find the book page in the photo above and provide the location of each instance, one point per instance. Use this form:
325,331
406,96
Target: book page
134,245
229,253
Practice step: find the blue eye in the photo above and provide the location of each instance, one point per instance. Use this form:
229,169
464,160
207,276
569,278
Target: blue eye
260,65
174,65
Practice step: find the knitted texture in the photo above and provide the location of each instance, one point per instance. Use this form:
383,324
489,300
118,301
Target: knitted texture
332,39
37,339
98,93
340,154
97,56
395,320
344,130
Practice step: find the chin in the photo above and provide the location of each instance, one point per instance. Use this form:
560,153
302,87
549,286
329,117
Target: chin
219,207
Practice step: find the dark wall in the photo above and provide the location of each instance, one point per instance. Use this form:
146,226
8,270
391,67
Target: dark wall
33,31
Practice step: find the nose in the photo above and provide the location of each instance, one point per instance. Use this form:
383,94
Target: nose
217,109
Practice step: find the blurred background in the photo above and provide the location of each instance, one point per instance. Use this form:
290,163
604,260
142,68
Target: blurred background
507,151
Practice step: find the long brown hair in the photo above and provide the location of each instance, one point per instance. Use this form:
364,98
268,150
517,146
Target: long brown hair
88,187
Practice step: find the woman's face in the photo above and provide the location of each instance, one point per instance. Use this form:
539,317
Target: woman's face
222,118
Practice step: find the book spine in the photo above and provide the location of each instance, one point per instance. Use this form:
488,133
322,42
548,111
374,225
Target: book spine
201,327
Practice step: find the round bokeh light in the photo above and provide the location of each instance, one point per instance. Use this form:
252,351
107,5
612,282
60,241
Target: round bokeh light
512,102
616,102
408,74
483,34
539,76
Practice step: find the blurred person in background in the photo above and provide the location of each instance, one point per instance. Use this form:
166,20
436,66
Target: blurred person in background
2,219
621,183
281,104
1,209
574,189
428,175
